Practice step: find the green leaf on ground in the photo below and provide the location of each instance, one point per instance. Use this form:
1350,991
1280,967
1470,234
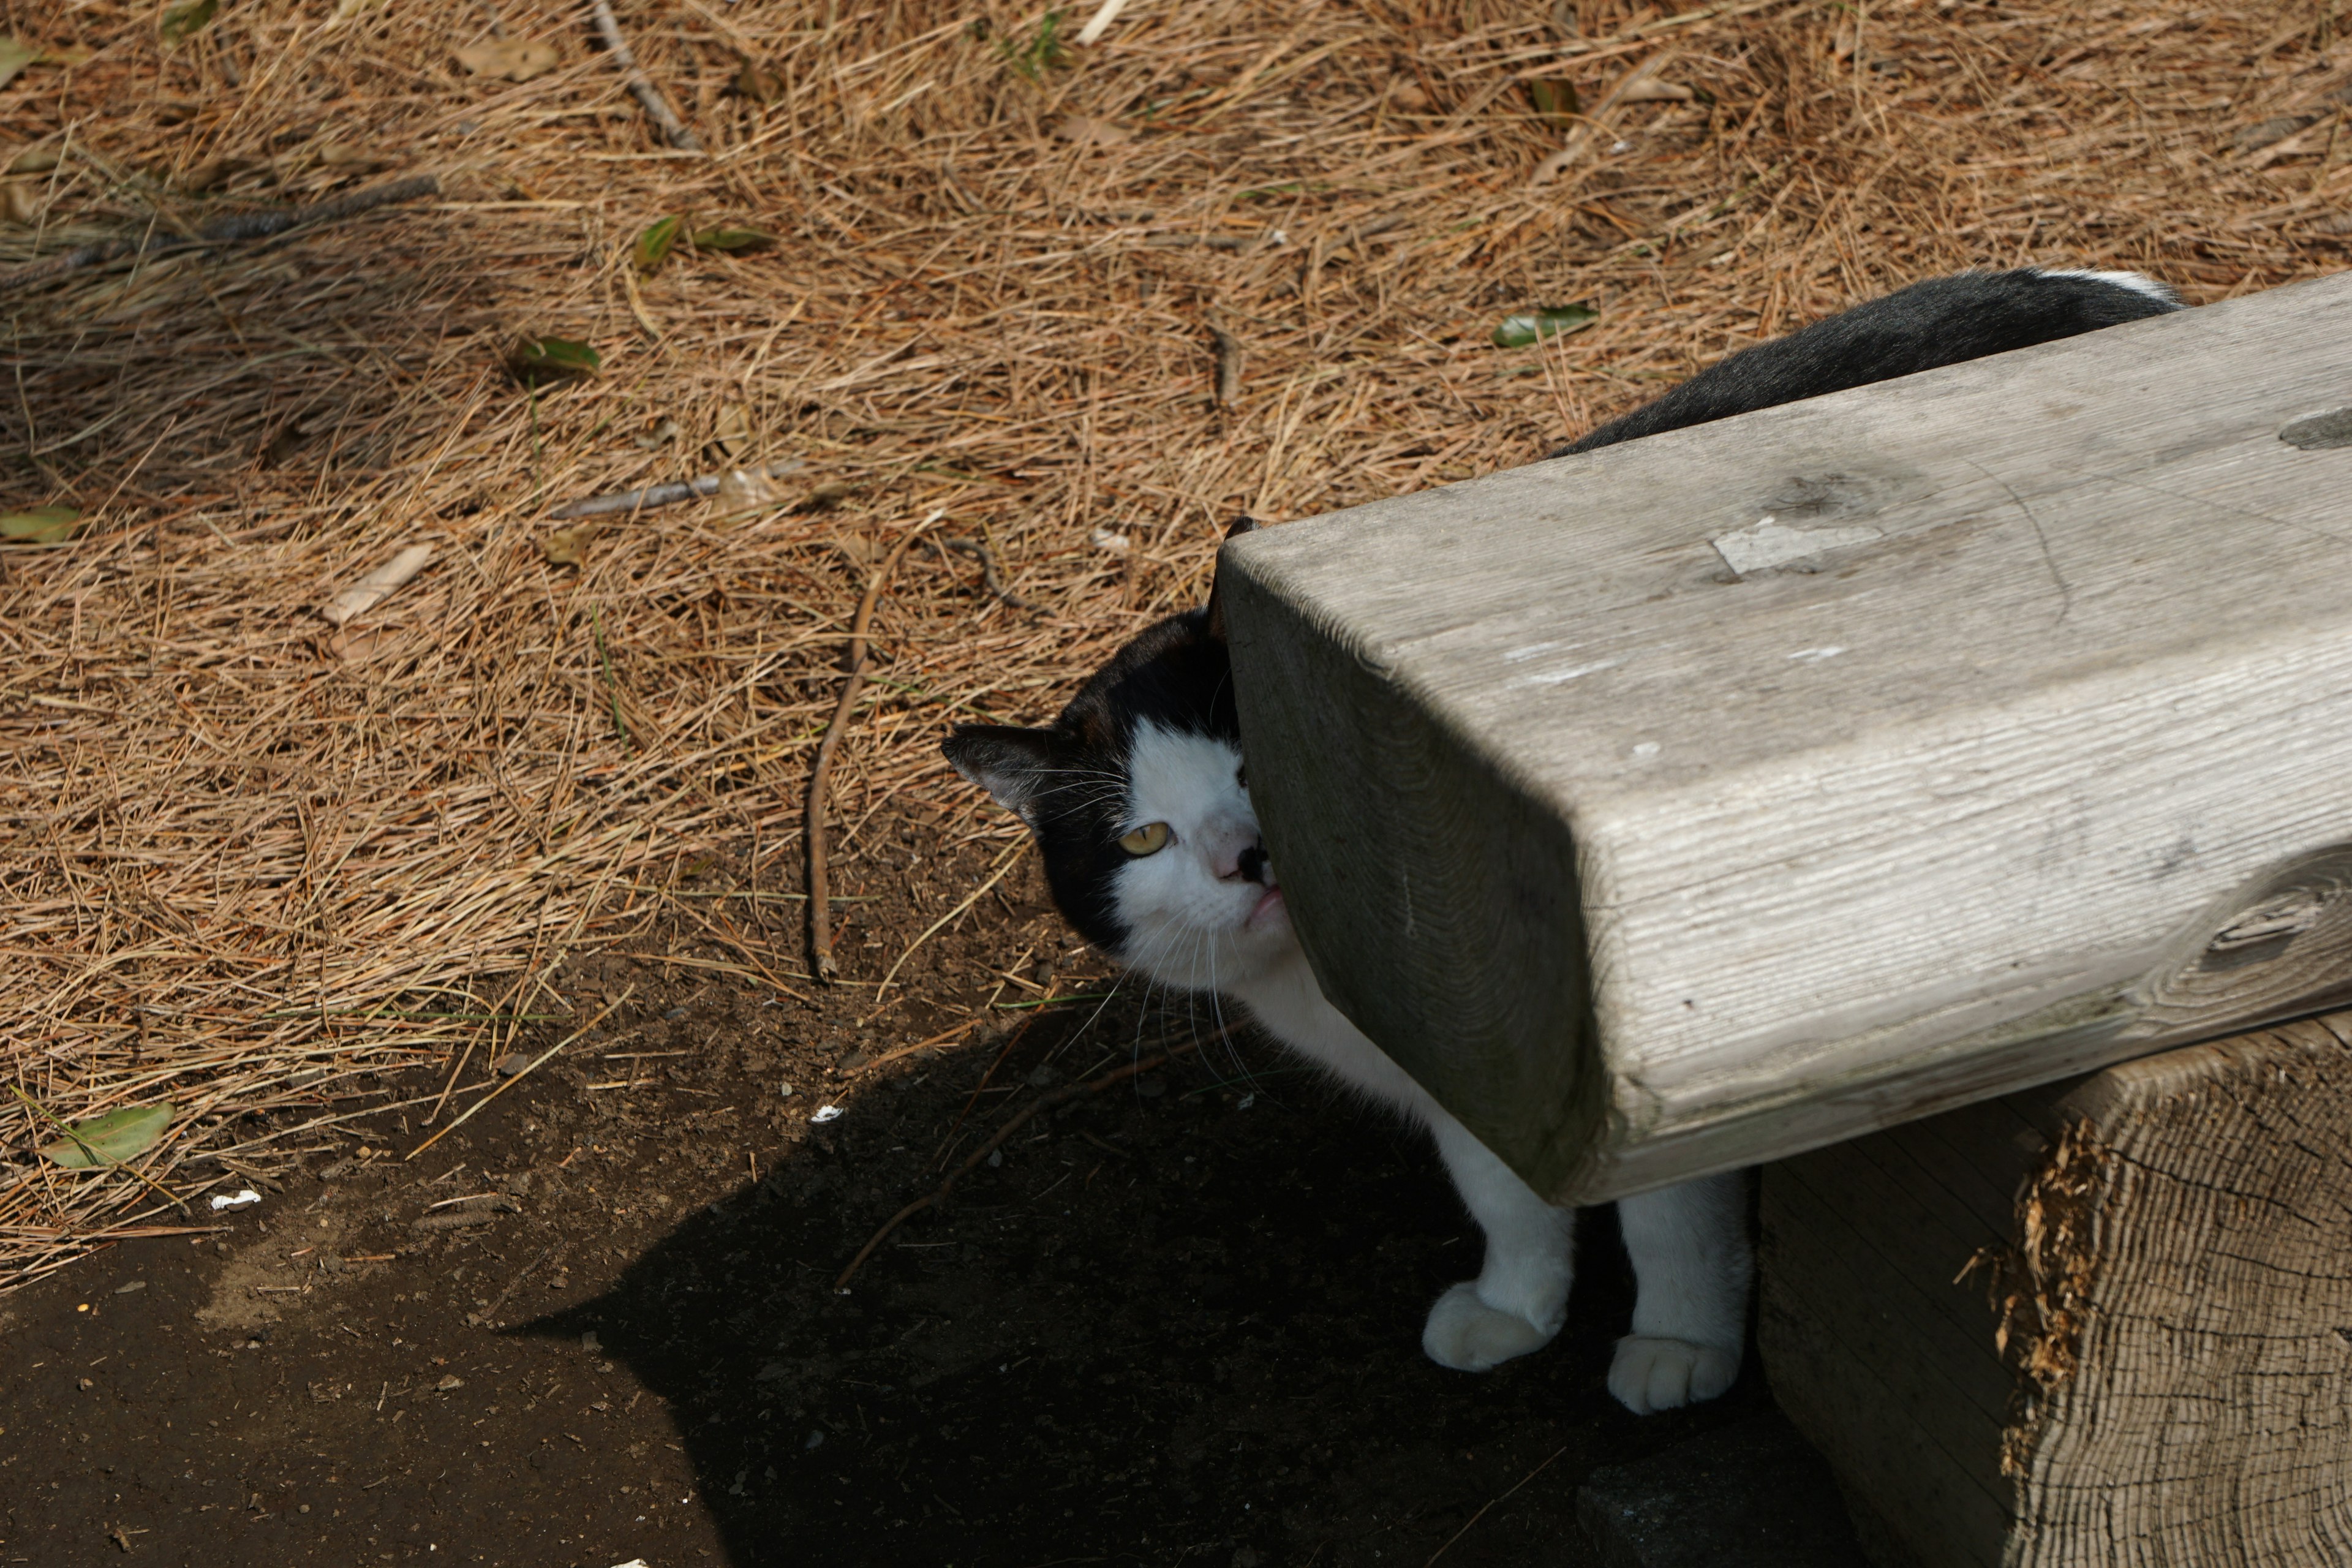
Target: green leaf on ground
42,524
727,237
654,245
16,54
1555,101
110,1139
538,361
1043,51
1549,322
183,22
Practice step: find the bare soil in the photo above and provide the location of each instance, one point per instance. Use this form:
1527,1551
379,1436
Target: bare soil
1179,1323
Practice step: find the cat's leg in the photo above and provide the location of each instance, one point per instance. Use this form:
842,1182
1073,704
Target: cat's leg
1692,1264
1520,1297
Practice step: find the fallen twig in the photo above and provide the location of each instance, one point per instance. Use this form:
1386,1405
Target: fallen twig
734,938
483,1315
673,129
464,1116
820,962
987,558
1228,350
1474,1517
1100,23
892,1055
939,1156
1021,1120
220,231
378,585
652,496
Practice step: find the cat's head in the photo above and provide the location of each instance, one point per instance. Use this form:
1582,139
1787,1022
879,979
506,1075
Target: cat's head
1140,806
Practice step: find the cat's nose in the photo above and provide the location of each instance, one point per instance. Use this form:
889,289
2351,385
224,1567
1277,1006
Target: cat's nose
1252,865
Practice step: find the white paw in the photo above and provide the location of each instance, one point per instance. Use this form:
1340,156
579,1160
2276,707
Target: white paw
1649,1375
1466,1334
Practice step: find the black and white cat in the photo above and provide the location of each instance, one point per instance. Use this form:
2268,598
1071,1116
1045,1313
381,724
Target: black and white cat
1140,802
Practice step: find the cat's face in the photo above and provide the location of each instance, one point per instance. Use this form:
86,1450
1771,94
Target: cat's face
1141,807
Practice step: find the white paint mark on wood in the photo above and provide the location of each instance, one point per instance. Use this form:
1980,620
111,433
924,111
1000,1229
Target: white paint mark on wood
1573,672
1767,542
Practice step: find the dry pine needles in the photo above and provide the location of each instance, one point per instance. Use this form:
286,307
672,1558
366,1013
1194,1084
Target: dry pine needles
1091,300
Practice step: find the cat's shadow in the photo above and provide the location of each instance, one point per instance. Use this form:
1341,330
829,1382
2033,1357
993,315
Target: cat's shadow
1162,1322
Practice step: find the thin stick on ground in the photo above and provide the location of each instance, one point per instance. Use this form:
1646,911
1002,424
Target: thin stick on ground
1227,349
1100,23
987,558
673,128
1043,1102
886,1057
466,1115
1004,865
647,497
1474,1517
820,903
939,1156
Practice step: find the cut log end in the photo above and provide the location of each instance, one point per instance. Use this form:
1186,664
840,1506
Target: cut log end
2115,1311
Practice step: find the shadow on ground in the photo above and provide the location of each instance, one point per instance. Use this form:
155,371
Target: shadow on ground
1178,1325
258,369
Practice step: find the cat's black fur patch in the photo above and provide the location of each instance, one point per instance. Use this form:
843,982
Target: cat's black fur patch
1068,781
1941,321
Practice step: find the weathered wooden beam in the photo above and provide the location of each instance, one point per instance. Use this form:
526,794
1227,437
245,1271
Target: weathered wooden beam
1725,793
2104,1323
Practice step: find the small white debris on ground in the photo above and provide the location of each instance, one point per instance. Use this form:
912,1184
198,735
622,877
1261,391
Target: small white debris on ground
235,1200
826,1113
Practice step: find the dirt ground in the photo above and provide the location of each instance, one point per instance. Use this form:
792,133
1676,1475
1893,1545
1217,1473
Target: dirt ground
1179,1323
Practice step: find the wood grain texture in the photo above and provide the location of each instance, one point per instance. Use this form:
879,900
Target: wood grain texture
1647,869
2149,1361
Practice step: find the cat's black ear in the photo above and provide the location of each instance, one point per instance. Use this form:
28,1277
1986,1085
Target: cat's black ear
1233,529
1012,765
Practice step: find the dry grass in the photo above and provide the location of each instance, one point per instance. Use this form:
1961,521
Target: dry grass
246,858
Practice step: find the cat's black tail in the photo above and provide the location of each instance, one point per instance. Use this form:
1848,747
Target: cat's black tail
1941,321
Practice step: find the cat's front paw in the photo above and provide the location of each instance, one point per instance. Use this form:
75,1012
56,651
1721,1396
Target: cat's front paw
1652,1375
1466,1334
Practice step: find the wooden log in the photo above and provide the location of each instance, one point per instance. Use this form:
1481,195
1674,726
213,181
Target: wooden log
1725,793
2104,1323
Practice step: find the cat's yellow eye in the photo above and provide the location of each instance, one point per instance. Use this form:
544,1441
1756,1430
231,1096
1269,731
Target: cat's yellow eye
1149,839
